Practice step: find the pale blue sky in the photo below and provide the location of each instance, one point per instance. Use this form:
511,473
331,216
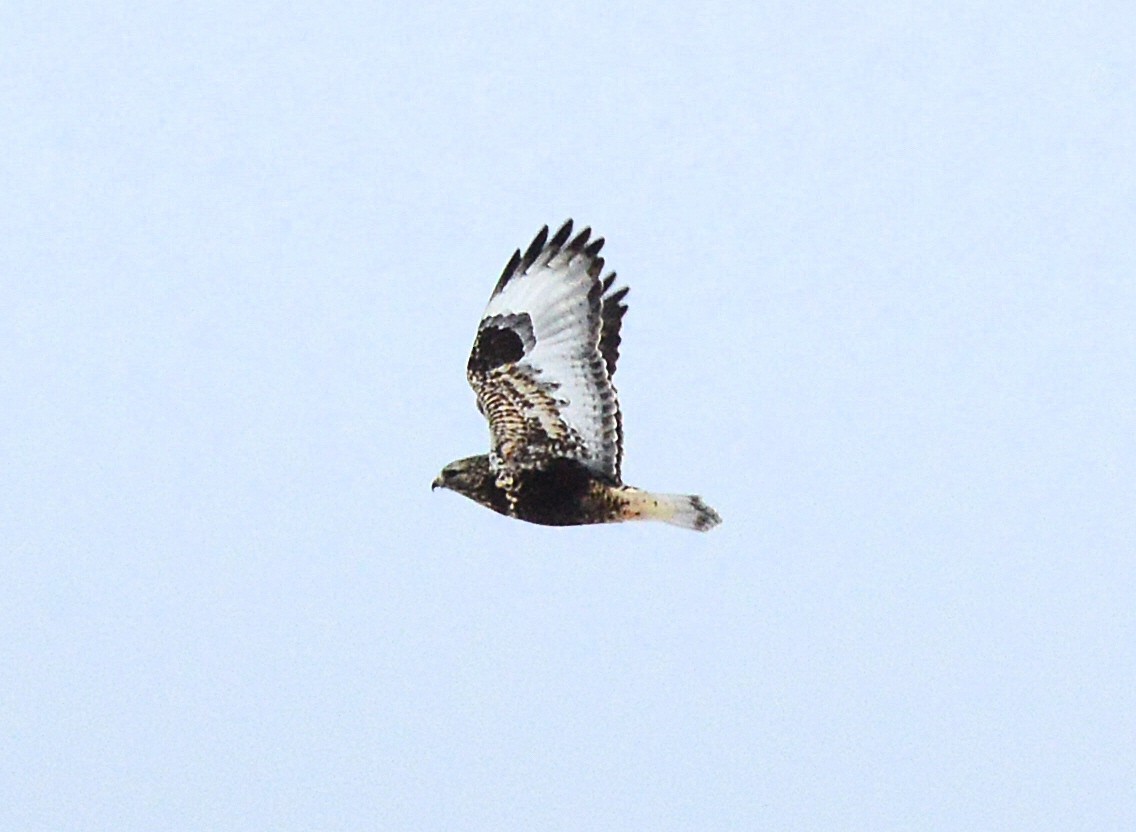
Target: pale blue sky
882,317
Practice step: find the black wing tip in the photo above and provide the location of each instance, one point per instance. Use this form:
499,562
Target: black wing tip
535,247
509,271
562,234
580,240
614,299
519,262
580,245
613,308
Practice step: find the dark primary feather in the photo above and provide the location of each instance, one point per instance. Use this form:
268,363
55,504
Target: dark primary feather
559,238
536,246
613,311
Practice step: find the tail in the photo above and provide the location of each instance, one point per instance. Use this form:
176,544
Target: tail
685,510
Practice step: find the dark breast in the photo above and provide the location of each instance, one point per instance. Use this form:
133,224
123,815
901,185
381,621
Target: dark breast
559,494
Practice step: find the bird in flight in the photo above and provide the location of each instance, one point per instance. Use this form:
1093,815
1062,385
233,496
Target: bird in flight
542,367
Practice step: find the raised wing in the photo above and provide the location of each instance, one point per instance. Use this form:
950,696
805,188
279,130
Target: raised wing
544,355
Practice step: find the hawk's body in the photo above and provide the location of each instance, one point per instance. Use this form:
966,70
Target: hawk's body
541,366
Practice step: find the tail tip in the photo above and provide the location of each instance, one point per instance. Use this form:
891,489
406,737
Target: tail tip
687,511
703,517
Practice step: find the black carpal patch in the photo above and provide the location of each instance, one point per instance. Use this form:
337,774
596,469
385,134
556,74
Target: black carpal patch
495,346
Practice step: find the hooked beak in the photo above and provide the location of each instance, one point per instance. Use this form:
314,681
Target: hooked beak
438,483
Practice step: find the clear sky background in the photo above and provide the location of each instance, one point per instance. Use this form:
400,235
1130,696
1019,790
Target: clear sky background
883,317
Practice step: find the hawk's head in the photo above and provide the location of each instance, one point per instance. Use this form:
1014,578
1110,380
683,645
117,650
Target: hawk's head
472,478
463,475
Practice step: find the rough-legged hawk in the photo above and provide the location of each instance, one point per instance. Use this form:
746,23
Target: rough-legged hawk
542,366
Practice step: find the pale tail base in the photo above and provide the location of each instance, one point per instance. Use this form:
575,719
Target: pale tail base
685,510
